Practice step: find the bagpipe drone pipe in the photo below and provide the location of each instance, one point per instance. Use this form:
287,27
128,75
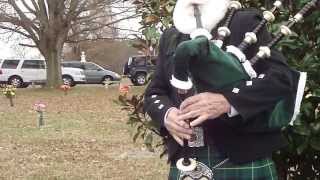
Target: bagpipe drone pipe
201,63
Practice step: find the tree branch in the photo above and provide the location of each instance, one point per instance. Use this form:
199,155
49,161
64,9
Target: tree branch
28,7
27,45
26,23
16,31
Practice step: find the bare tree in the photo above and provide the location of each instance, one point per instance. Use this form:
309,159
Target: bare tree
51,23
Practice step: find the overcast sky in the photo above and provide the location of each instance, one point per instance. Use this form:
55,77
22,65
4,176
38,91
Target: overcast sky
5,51
11,49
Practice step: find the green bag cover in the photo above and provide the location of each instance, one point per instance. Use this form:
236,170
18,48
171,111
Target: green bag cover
212,69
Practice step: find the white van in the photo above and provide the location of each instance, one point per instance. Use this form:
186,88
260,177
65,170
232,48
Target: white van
23,72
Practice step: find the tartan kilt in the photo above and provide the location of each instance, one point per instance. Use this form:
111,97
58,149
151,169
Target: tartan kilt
263,169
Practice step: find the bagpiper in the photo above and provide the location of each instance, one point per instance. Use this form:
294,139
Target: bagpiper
221,93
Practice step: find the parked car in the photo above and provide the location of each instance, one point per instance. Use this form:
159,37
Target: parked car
138,69
95,74
23,72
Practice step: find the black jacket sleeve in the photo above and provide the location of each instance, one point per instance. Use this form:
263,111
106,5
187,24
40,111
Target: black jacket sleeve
156,100
256,98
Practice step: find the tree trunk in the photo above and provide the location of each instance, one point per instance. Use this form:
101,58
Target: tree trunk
53,67
51,49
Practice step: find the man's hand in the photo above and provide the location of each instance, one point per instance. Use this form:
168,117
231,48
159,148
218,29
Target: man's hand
176,126
203,106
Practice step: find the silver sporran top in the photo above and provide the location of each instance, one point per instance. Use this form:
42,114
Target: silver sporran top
197,139
202,172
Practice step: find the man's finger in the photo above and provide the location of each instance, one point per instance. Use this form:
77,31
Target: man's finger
178,129
191,107
183,136
183,123
178,139
180,135
199,120
188,101
189,115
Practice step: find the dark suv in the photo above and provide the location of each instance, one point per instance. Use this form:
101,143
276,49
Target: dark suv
139,68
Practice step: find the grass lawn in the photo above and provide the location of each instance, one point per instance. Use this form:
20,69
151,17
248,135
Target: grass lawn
85,137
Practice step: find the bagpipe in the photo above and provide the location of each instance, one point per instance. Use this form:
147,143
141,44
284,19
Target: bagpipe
204,65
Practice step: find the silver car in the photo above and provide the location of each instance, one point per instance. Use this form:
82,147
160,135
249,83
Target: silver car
23,72
95,74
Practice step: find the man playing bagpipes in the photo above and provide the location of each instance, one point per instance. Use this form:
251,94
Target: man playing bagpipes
221,115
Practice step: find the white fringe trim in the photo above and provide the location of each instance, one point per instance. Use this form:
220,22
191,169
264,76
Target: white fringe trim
185,85
249,69
236,51
200,32
218,43
299,96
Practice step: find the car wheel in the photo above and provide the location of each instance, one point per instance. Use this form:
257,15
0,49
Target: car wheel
16,81
25,85
67,80
133,80
106,79
140,79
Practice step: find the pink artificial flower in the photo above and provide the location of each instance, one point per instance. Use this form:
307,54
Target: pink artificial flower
65,87
39,106
124,89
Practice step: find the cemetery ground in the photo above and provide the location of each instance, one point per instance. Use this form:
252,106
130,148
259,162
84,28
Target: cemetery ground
85,136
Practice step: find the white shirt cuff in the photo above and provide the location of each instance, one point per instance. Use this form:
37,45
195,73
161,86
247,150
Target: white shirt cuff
166,115
233,112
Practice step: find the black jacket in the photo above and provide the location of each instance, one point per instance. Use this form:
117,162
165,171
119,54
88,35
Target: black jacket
242,138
